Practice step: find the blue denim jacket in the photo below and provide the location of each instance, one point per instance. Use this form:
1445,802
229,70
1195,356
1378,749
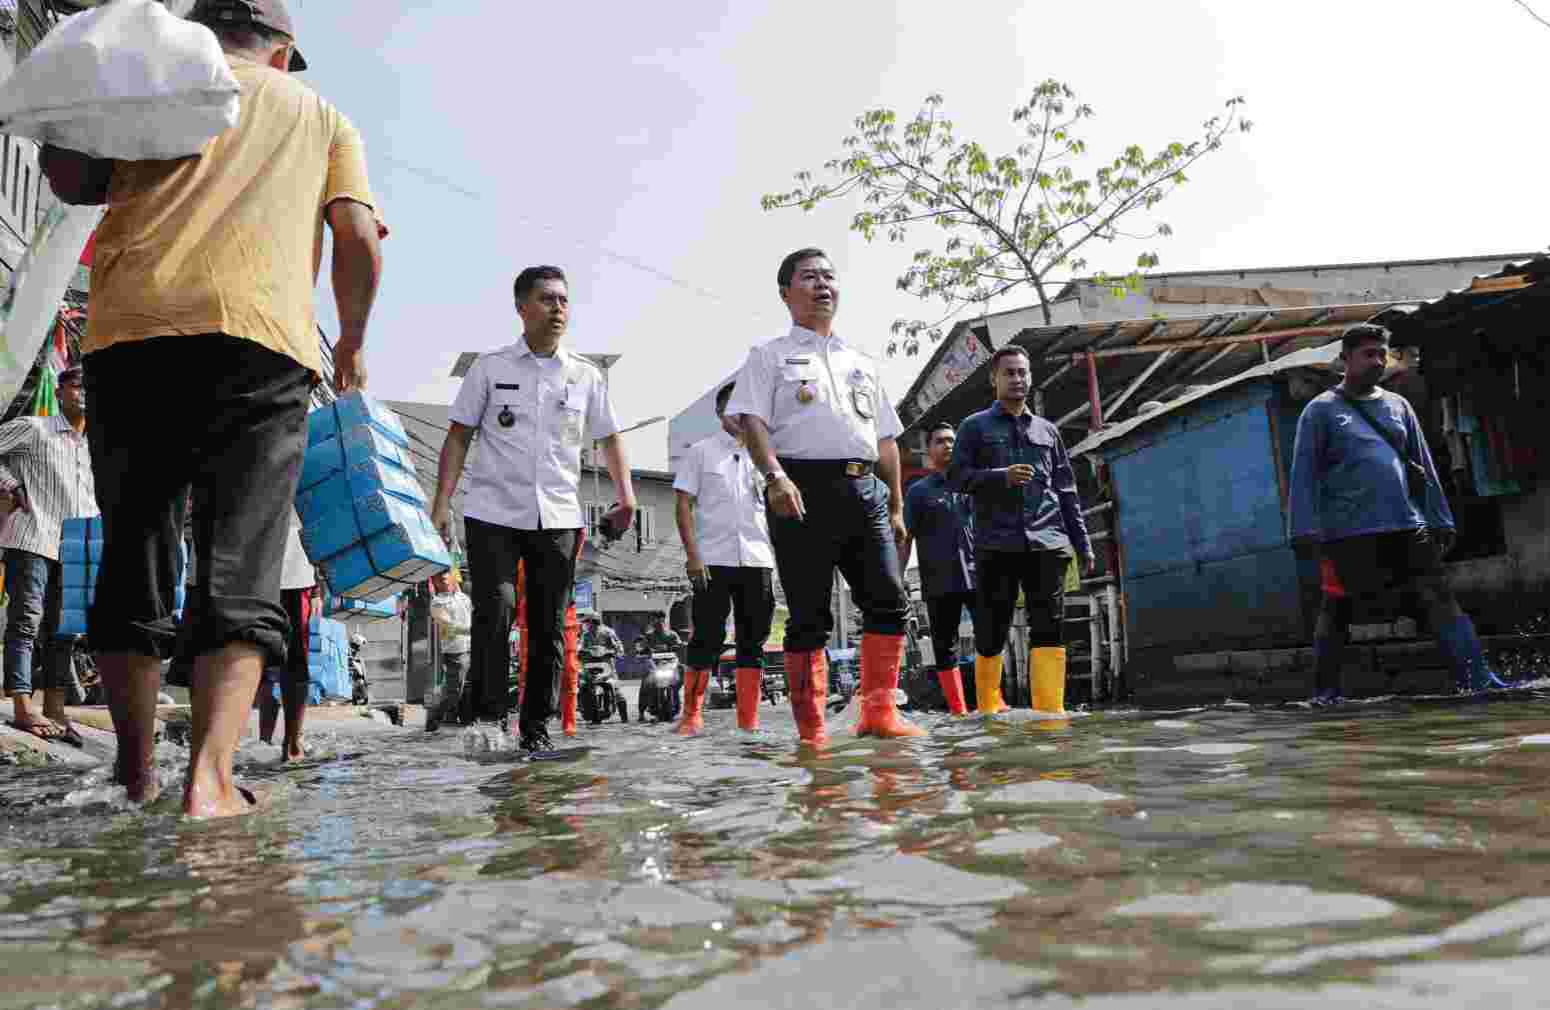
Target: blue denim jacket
1043,514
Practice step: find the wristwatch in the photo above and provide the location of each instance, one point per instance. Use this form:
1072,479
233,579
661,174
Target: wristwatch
774,475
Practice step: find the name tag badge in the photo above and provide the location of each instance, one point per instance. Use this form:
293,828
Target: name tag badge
799,361
510,387
861,399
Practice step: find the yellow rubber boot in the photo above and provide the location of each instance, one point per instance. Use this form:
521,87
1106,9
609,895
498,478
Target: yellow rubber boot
1047,668
987,685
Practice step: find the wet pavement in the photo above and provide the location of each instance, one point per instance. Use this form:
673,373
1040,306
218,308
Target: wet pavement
1384,854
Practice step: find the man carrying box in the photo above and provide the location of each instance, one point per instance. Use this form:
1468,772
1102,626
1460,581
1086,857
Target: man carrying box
205,269
529,404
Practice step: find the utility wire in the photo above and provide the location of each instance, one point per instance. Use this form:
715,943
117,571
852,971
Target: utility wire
1532,13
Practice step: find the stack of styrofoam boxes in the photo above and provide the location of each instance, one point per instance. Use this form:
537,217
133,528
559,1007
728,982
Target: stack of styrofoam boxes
363,512
328,660
352,609
80,555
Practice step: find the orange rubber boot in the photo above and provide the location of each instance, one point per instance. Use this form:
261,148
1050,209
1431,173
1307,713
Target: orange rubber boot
570,677
952,689
880,659
807,679
695,684
750,690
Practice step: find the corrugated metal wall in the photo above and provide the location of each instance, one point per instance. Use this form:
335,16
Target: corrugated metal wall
1206,562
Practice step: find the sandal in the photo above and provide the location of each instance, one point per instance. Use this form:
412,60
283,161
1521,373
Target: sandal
72,736
42,730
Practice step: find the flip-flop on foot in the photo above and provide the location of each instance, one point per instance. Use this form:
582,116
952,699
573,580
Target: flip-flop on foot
41,730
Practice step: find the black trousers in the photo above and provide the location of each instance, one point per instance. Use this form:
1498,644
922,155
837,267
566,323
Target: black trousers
998,575
746,593
549,561
944,612
234,435
846,528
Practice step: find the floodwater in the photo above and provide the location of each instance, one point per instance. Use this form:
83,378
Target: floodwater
1386,854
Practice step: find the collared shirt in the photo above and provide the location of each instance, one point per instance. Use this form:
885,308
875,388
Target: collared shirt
941,521
729,508
604,639
532,415
820,397
52,463
1043,514
1347,481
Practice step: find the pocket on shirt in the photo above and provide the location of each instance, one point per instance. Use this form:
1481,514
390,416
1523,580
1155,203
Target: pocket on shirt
792,379
571,419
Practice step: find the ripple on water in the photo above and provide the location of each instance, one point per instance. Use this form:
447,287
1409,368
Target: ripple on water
1050,791
1262,906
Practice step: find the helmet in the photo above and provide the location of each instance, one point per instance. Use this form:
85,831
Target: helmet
358,640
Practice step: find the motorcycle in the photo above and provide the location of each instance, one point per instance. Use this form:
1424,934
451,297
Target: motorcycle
599,697
661,691
360,694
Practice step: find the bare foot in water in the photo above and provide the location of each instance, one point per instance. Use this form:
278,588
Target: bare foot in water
143,788
210,804
294,751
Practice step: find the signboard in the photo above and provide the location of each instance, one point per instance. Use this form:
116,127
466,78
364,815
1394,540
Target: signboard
967,352
584,596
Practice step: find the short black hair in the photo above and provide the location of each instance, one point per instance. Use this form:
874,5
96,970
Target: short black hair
528,279
939,426
722,396
1009,351
1362,333
246,37
788,266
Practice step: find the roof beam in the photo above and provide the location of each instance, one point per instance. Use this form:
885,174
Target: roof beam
1130,390
1179,345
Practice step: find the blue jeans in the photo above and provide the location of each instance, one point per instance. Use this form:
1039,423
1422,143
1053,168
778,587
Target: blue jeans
37,594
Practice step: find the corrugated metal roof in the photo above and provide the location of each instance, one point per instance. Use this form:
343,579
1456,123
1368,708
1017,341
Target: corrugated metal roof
1323,356
1505,286
1200,351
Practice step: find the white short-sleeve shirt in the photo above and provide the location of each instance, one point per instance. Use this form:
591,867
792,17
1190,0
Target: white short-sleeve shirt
821,398
729,503
533,414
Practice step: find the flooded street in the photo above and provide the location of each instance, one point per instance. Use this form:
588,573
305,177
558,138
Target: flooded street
1389,854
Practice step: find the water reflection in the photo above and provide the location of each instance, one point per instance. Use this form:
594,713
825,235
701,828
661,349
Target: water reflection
1267,853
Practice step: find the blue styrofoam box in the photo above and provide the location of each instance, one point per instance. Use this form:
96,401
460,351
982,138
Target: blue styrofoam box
80,541
360,609
331,526
78,576
353,410
72,623
349,448
408,552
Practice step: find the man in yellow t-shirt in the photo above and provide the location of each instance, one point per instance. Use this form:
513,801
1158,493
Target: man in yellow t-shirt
201,352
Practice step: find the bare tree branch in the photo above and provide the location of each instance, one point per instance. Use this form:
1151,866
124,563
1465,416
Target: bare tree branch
1532,13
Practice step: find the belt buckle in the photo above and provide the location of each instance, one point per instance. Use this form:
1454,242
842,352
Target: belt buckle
855,469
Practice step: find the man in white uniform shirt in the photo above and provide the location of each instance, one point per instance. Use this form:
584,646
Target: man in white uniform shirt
822,432
730,564
531,404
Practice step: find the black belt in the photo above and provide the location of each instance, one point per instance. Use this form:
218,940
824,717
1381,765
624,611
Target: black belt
827,467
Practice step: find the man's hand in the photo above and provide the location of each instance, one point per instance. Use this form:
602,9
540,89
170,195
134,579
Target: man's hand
786,498
1446,540
12,501
1019,474
1090,564
441,518
896,521
699,575
349,366
618,520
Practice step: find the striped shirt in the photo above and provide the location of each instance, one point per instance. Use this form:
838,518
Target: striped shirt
51,462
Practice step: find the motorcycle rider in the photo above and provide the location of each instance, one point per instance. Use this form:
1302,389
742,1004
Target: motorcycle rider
600,639
657,639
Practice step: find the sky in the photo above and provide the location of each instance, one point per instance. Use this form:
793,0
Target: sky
630,144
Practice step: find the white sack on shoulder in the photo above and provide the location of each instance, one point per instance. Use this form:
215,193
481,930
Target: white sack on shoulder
129,80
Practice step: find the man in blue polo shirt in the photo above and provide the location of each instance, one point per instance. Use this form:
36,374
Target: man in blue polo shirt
1365,492
942,521
1027,522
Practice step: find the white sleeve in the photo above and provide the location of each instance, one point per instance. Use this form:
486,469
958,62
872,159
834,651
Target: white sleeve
688,479
754,394
601,422
472,398
888,425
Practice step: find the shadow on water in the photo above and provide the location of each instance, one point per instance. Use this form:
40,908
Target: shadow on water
1383,854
